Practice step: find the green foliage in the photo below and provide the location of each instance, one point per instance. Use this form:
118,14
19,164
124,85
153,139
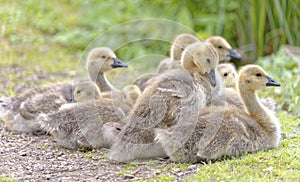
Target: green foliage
57,31
284,69
258,20
6,179
28,31
257,27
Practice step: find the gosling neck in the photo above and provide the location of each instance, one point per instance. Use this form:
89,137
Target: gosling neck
257,111
103,83
253,105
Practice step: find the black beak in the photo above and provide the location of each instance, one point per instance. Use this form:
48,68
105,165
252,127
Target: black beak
234,54
71,100
212,77
272,82
118,63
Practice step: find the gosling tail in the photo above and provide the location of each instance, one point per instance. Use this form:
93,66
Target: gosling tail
5,102
46,123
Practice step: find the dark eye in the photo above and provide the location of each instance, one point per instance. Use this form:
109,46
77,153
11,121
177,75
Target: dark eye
258,74
103,57
78,91
208,60
225,74
220,47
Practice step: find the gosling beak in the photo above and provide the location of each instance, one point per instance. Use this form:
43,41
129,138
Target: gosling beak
234,54
212,77
118,63
272,82
71,100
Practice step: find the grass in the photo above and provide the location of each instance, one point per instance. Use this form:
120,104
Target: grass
122,172
44,146
176,167
28,42
280,164
88,155
129,165
159,178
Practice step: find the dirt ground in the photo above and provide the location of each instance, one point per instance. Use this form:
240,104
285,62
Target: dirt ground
39,158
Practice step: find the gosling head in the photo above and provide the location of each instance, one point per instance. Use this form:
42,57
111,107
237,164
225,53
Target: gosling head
203,58
223,48
110,132
67,91
130,94
86,90
253,77
229,74
102,59
180,43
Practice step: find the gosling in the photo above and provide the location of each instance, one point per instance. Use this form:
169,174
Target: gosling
218,132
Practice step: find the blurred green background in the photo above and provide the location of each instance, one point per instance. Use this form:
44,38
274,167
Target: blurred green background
51,36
